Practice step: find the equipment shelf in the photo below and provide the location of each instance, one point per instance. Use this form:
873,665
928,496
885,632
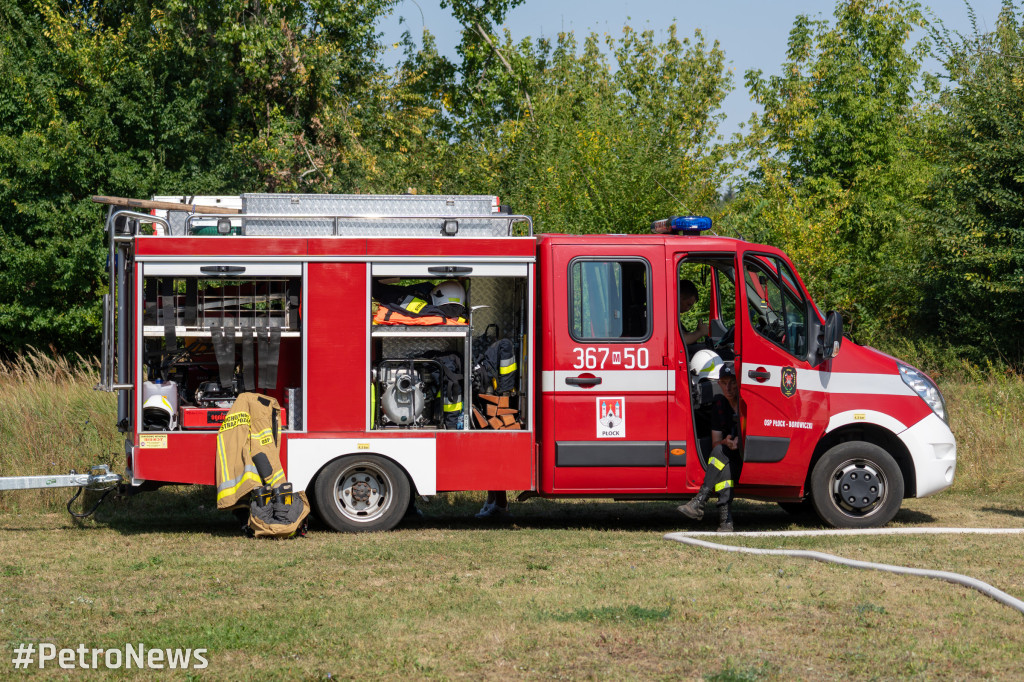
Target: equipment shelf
433,332
193,332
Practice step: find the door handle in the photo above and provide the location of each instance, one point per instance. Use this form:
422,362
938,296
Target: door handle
583,381
222,269
759,374
450,270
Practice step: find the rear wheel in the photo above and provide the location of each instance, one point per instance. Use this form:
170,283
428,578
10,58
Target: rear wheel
364,493
856,485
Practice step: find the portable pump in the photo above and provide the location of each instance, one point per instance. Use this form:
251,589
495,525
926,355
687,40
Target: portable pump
407,392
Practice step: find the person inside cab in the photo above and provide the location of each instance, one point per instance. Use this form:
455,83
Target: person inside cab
688,297
726,459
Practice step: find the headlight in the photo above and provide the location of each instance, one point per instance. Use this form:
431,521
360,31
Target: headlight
926,388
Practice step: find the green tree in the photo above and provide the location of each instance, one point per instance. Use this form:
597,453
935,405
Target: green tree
612,148
142,98
978,201
839,168
609,139
491,82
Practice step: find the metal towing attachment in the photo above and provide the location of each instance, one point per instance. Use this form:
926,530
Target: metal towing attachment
99,478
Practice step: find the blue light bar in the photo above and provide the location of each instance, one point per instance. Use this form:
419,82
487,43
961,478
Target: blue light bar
685,225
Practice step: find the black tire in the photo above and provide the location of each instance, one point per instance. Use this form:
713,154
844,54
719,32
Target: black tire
856,485
362,494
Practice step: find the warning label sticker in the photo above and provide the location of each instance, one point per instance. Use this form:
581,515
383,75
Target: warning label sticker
611,417
153,441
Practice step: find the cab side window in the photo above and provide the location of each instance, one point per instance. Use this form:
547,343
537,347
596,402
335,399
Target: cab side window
712,275
726,297
697,273
775,304
609,299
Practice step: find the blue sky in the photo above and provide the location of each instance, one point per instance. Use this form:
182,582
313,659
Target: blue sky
753,33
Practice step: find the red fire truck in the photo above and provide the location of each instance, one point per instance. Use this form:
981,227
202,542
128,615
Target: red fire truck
277,296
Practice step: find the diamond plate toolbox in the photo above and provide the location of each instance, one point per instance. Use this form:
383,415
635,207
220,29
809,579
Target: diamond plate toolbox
367,215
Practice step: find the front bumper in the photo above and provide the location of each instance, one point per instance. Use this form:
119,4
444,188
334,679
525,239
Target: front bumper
932,446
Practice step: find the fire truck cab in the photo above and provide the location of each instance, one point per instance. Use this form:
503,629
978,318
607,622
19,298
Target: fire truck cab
607,399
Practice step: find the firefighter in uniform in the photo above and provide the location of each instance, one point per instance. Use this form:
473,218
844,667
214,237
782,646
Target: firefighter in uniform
723,470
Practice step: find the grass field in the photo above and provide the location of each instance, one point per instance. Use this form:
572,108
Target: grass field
566,590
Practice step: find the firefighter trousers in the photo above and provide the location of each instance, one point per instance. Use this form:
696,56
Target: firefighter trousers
723,471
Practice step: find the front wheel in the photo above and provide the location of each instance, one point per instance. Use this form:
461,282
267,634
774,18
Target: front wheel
856,485
359,494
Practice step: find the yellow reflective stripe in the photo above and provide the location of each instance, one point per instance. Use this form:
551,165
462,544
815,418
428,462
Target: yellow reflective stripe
454,407
233,483
507,370
222,458
717,463
276,478
264,436
233,420
723,485
247,476
415,305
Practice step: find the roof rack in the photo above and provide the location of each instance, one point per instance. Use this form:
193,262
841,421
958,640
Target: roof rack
345,215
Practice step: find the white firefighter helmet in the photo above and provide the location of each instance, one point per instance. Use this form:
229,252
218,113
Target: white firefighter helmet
450,297
706,364
158,415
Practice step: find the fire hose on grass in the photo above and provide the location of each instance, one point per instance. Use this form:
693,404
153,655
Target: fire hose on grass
957,578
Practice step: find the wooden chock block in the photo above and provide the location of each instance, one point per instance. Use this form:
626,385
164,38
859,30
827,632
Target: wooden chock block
481,420
495,423
508,419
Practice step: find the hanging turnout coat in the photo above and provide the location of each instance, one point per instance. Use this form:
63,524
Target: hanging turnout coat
252,426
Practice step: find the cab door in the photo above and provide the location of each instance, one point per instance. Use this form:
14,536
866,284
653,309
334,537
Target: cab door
689,433
610,383
783,409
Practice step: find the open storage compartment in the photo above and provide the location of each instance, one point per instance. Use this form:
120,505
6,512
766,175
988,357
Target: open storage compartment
411,366
210,333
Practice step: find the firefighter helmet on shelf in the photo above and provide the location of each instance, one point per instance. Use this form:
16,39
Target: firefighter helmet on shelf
706,364
450,297
157,414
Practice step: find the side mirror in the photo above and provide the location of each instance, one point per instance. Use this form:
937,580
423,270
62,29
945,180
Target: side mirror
832,336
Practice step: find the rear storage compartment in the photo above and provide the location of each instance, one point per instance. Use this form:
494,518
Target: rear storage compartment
212,332
282,300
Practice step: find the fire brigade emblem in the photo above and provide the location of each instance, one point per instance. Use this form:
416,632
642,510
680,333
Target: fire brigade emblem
611,417
788,381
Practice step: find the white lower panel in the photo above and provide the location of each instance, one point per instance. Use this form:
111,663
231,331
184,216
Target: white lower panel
418,456
933,449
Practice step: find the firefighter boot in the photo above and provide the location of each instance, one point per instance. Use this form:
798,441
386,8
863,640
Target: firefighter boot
695,507
725,518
